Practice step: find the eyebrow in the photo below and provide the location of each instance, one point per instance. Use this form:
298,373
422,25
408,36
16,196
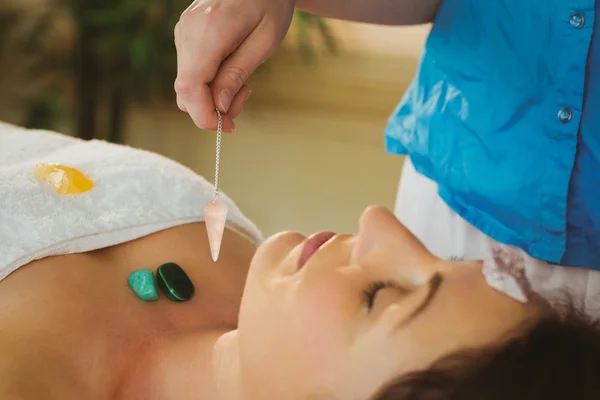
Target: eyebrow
434,286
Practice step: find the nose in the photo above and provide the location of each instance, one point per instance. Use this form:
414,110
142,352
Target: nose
383,243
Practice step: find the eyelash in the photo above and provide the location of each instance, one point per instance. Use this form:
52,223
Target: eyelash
371,291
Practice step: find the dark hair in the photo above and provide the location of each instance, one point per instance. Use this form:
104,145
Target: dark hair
557,357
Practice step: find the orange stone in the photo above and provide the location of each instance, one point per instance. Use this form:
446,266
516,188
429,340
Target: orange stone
65,180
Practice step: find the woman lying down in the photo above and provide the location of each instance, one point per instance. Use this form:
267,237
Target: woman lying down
366,316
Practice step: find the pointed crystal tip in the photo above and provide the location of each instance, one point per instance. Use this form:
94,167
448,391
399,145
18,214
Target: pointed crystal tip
215,253
215,216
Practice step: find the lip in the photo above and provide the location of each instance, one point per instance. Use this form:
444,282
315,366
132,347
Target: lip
311,246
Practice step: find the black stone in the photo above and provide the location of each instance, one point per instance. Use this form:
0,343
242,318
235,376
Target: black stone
174,282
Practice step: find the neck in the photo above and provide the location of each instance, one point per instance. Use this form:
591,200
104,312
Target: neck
229,379
204,366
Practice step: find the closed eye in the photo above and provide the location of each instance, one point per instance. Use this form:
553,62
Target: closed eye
371,291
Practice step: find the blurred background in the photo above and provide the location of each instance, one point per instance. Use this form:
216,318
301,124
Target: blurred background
308,150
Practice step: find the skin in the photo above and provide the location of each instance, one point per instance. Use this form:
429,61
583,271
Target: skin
301,334
72,322
215,57
381,12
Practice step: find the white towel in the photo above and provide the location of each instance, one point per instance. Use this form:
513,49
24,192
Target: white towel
136,193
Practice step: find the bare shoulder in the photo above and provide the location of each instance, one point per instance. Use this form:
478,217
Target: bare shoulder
14,382
23,373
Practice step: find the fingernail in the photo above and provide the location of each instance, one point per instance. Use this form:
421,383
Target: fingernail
249,93
229,130
225,99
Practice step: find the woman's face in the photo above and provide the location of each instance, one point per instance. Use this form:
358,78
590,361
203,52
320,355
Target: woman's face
342,319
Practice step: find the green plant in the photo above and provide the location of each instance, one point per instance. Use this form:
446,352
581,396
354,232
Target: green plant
305,25
35,45
124,53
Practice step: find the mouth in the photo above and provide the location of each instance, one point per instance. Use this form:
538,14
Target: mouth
311,246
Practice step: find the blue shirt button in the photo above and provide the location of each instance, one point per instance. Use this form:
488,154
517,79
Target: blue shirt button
565,115
577,21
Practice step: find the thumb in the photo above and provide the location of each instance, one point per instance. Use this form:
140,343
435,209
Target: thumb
237,68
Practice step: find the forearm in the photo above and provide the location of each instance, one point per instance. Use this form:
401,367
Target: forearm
384,12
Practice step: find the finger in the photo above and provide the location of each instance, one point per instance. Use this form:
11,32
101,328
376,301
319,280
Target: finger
203,5
202,42
236,69
228,124
197,102
239,101
192,87
181,104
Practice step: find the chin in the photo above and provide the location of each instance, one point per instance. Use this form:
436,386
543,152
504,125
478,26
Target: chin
276,248
283,241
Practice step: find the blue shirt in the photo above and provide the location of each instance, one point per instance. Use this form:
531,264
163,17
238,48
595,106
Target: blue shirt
504,115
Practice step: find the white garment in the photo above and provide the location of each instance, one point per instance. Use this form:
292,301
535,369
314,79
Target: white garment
136,193
445,233
507,269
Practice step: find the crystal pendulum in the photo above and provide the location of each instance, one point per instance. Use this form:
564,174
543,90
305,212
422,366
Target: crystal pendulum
215,211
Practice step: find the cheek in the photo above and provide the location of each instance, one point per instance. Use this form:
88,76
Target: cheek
328,300
314,333
323,319
296,335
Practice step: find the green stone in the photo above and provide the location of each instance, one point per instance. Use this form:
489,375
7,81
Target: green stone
174,282
143,283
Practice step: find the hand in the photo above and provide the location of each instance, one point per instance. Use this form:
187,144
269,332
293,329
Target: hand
219,45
